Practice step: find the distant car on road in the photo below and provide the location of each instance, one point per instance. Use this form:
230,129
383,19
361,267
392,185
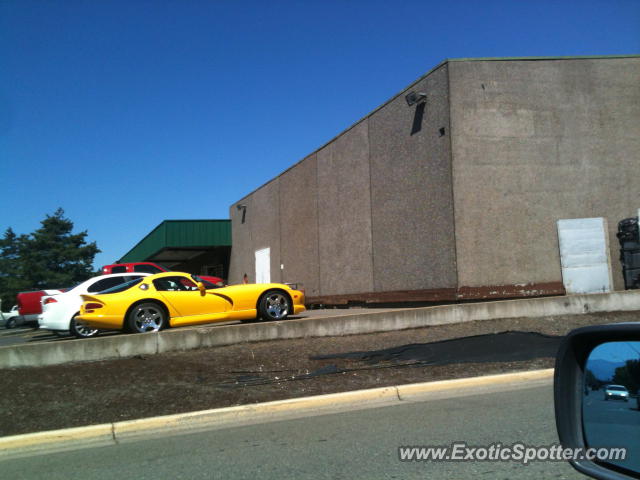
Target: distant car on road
59,311
174,299
616,392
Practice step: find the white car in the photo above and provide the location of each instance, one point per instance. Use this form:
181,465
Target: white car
10,317
616,392
59,311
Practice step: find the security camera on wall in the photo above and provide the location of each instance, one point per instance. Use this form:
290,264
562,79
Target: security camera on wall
412,98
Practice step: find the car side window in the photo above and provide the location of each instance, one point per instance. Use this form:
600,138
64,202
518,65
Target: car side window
174,284
105,283
128,278
146,269
118,269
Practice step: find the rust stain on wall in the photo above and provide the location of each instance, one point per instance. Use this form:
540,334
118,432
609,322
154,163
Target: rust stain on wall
445,294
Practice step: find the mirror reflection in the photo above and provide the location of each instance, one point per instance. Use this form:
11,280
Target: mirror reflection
610,401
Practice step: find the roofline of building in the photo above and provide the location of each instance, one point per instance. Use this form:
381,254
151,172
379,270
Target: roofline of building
169,221
195,220
533,59
422,77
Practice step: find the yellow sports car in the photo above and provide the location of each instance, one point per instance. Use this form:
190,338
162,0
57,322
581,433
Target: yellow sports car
172,299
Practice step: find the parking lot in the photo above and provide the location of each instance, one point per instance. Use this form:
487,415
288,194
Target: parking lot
30,334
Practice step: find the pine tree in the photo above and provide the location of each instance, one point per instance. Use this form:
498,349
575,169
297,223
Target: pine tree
51,257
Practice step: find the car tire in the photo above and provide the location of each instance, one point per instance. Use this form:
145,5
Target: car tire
79,331
146,317
11,323
274,305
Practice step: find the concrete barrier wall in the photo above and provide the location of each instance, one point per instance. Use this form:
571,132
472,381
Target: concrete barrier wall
123,346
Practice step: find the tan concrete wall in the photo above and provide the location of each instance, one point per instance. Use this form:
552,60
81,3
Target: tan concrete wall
370,211
241,261
411,194
534,142
299,225
263,216
344,214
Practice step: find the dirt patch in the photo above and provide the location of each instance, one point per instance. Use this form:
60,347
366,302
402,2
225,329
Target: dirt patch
47,398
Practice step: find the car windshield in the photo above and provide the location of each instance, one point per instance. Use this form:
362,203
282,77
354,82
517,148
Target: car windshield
122,287
618,389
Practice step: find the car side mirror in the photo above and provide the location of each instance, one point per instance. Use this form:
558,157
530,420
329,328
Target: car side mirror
596,388
202,288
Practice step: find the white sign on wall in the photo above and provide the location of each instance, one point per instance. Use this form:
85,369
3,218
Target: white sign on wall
263,265
584,255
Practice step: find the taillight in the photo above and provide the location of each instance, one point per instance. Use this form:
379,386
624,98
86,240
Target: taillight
92,306
49,300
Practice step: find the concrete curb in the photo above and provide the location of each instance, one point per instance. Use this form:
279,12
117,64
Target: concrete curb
219,418
180,339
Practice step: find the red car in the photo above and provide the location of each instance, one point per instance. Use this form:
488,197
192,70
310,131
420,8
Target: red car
148,267
29,306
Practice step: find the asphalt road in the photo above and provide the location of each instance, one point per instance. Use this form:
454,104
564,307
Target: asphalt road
347,445
29,334
25,334
613,423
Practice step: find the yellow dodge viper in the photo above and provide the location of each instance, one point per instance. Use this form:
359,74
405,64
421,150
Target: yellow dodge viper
172,299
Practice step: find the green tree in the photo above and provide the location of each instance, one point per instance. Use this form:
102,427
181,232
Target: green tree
628,375
590,380
51,257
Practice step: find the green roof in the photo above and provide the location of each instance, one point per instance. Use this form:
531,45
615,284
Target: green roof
181,234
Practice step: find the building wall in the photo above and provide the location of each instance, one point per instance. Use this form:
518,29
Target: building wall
242,260
534,142
299,225
344,214
461,193
371,211
411,194
260,230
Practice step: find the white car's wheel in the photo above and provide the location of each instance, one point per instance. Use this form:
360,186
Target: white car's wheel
81,331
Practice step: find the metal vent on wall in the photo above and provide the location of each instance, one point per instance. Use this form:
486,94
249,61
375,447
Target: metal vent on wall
629,252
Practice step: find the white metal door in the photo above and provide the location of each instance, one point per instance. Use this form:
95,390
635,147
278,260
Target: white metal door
263,265
584,255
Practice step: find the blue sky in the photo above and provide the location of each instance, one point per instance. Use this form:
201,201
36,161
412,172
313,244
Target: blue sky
617,352
126,113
